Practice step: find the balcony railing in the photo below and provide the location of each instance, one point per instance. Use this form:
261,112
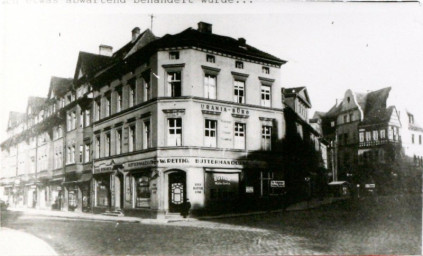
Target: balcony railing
378,142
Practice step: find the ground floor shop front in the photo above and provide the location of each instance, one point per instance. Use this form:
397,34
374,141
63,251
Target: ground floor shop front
159,186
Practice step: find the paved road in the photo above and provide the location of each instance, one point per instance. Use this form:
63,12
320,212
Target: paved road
391,225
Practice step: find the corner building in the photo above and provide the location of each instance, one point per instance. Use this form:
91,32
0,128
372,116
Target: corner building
176,119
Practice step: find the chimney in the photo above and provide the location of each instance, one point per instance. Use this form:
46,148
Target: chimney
242,41
105,50
204,27
135,34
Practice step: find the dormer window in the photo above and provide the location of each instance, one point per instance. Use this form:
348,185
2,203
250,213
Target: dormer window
410,119
265,70
174,55
239,64
210,58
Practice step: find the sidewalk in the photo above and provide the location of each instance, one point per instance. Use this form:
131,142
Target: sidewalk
87,216
313,203
14,242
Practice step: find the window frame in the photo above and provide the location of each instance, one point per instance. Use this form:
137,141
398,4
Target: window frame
237,132
210,128
176,129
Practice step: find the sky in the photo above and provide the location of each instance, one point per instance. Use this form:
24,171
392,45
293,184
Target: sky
330,47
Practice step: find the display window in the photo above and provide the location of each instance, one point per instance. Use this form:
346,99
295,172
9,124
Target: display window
142,184
222,186
103,191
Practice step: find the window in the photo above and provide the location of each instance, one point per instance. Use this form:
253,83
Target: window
382,134
210,129
132,138
119,100
103,186
346,119
68,122
390,133
107,109
71,154
87,117
266,132
97,109
395,132
119,141
131,97
210,86
239,140
147,86
239,91
87,150
174,137
239,64
420,139
73,120
351,117
332,124
361,135
147,135
345,138
265,70
265,96
368,136
381,155
81,119
210,58
412,138
375,135
107,145
97,146
265,178
174,84
174,55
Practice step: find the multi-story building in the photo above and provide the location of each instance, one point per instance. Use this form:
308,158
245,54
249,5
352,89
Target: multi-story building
158,122
367,137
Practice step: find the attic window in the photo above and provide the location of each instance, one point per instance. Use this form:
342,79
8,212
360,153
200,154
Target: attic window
332,124
174,55
348,99
210,58
239,64
265,70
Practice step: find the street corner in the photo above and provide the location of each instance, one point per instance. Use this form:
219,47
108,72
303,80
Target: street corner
13,242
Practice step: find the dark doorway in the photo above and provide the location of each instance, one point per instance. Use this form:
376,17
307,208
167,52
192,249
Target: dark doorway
177,191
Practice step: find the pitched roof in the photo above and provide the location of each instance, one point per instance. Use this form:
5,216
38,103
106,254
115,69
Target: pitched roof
193,37
378,115
376,100
36,103
59,86
296,91
90,63
15,118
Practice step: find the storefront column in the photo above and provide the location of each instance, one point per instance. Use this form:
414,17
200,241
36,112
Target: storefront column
161,185
65,198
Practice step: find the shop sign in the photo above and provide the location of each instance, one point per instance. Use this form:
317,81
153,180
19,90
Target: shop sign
103,169
187,161
225,179
220,108
249,189
277,183
198,188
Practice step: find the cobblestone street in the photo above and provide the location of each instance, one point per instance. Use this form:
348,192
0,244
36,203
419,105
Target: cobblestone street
386,225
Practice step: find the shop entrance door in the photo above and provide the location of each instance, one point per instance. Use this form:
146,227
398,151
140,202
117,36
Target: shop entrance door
177,191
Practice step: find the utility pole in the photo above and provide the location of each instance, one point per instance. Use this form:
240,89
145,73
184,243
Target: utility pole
152,17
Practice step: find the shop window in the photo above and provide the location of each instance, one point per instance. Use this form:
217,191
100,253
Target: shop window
210,86
222,186
174,84
143,192
210,131
265,96
147,135
72,198
266,133
239,88
239,136
174,137
210,58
